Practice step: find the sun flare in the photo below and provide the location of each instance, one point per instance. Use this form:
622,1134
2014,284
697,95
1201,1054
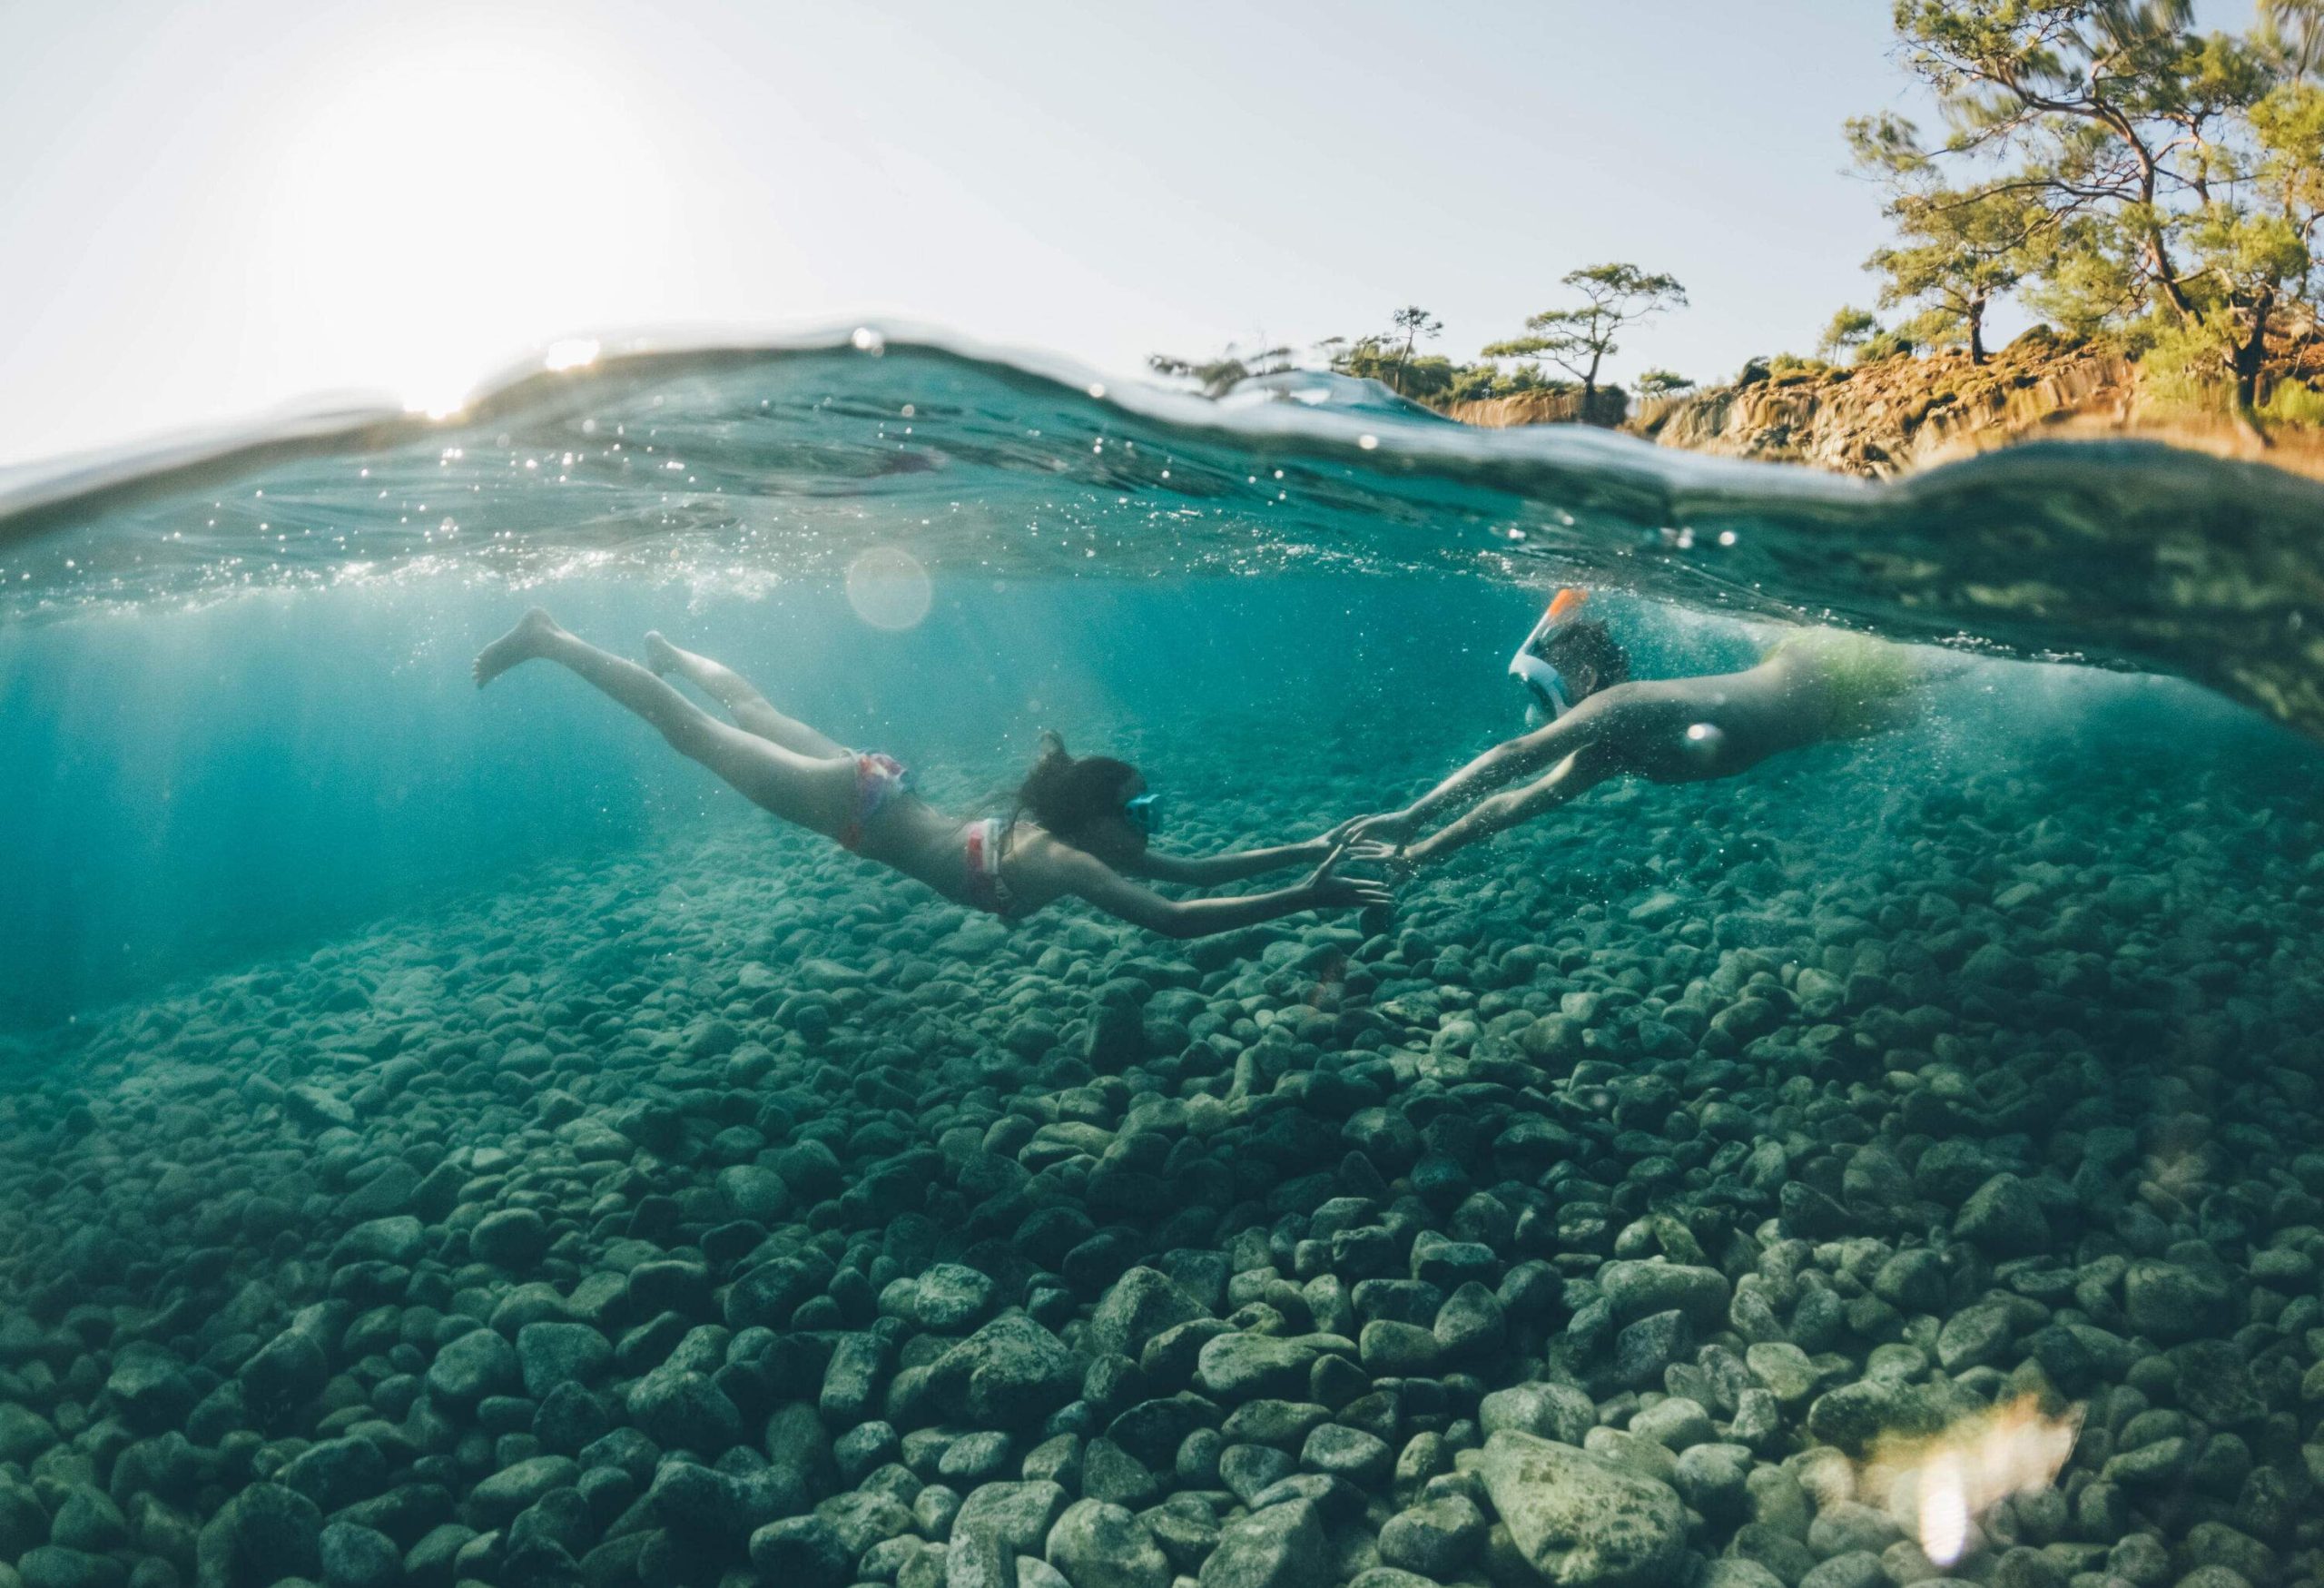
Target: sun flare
436,214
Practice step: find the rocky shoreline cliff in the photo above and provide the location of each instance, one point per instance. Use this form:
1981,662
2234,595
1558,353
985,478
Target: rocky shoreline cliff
1899,415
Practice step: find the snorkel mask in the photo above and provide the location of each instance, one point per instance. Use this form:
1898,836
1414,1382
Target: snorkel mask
1144,813
1551,698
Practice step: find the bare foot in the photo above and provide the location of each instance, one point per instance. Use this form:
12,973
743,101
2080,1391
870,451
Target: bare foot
661,655
520,644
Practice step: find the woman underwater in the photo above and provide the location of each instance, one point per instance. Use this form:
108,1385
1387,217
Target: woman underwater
1813,686
1090,818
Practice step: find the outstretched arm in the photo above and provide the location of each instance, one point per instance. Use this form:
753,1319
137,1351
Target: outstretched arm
1577,773
1088,878
1203,870
1578,729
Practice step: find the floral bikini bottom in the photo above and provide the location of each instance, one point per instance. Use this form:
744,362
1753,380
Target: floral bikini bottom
879,779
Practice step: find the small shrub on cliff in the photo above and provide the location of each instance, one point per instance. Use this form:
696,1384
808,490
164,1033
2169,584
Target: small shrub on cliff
2293,402
2185,366
1476,382
1884,346
1790,369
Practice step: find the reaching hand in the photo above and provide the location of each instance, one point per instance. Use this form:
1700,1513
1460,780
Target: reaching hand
1393,827
1332,890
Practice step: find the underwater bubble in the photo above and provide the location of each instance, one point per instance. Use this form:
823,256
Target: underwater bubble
889,589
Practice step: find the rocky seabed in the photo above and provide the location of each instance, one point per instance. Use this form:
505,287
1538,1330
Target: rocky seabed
728,1213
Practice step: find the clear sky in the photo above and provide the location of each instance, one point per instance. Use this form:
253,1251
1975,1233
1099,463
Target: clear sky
209,210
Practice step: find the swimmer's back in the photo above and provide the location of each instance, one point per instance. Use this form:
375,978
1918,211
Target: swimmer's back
1851,684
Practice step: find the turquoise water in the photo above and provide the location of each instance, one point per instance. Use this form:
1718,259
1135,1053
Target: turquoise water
455,1139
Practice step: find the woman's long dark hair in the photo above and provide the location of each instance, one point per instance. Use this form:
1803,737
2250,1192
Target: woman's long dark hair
1067,794
1587,644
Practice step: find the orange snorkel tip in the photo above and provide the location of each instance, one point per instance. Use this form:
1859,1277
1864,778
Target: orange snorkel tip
1549,687
1563,607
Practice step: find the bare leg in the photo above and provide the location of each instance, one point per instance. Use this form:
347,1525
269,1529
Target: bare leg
813,792
745,704
1576,775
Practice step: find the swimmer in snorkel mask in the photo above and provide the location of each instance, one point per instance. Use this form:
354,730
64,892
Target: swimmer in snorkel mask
1552,696
1589,721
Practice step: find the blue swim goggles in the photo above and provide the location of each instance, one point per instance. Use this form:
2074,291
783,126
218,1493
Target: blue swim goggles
1144,814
